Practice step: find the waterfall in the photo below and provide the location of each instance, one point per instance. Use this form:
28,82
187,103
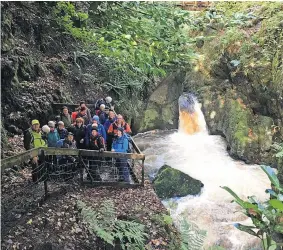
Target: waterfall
191,119
204,157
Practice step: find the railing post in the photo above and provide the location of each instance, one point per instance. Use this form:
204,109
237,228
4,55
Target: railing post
81,168
143,173
41,158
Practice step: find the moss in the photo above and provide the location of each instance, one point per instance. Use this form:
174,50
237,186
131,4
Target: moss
167,114
150,117
171,182
238,123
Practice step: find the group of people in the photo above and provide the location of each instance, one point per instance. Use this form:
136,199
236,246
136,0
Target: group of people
103,131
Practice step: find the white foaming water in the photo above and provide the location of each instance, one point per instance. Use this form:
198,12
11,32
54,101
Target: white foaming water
204,157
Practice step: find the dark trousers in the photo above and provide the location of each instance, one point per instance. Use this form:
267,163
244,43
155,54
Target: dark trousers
124,173
109,141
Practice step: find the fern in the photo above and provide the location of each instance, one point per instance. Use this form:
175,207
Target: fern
279,148
105,225
192,237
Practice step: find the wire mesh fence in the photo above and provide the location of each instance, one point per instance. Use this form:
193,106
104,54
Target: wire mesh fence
26,187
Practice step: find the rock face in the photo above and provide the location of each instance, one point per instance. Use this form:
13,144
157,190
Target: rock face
162,111
228,112
171,182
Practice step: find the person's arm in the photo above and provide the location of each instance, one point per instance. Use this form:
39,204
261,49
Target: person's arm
103,133
87,135
110,130
89,115
27,140
58,136
128,129
125,145
100,143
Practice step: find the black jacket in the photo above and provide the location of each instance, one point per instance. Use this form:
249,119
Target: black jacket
79,133
96,143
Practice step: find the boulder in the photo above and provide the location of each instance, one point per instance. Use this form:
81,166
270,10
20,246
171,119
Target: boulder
170,182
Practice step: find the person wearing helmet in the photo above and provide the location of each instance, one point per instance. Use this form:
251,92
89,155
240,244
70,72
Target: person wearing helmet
102,114
106,101
34,138
52,136
61,130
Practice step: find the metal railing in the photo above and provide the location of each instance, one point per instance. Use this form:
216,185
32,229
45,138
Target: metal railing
25,185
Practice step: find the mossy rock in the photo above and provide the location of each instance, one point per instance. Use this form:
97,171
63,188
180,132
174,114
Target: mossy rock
171,182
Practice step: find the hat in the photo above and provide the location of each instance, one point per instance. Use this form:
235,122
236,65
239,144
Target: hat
61,123
33,122
70,133
94,128
95,118
120,129
51,124
108,99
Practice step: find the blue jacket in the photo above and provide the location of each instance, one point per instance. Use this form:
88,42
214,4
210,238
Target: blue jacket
102,117
65,144
108,123
52,138
121,144
101,131
62,133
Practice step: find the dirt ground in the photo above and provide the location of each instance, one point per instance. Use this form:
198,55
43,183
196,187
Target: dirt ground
56,223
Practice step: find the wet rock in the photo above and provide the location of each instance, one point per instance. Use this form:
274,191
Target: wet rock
171,182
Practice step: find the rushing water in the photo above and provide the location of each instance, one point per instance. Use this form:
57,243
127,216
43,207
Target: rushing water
204,157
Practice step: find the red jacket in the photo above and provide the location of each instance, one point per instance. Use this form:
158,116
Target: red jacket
114,126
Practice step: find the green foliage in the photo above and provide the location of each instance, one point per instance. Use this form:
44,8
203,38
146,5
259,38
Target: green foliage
279,148
248,32
139,37
192,237
267,217
105,225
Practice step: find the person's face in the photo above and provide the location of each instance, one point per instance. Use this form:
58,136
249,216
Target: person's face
102,108
94,123
94,132
83,105
79,123
106,112
70,138
61,126
111,114
119,119
35,127
83,112
65,111
119,133
52,129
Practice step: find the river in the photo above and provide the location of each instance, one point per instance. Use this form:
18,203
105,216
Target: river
204,157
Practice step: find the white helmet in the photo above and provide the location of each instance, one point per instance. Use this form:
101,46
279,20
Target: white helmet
108,99
45,129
